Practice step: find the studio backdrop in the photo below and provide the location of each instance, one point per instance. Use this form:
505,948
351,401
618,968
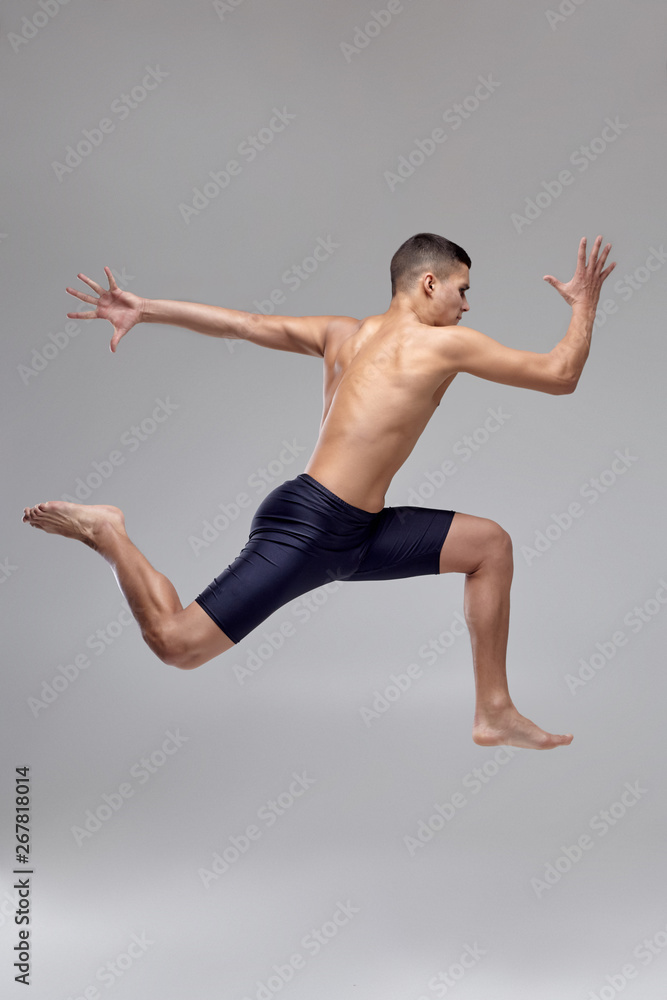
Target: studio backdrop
307,817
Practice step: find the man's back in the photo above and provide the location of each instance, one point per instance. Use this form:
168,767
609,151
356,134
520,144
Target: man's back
383,379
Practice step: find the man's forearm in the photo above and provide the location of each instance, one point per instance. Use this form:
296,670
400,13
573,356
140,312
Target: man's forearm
214,321
572,351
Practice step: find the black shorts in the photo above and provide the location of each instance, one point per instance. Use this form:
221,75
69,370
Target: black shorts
303,536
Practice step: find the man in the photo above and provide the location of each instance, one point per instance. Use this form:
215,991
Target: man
384,377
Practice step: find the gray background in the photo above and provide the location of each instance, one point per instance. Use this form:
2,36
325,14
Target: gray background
324,176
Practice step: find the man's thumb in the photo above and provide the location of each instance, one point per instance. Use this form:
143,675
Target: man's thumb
552,281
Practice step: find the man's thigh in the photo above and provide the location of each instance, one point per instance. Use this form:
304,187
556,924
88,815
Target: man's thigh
404,542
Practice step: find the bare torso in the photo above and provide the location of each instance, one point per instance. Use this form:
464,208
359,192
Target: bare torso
383,381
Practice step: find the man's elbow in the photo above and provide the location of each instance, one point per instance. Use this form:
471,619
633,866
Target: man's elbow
561,381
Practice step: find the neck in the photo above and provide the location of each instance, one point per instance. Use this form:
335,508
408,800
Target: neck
403,307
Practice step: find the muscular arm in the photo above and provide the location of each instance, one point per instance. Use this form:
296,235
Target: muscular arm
557,371
302,334
554,372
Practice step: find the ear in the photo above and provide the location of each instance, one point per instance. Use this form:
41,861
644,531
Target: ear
429,282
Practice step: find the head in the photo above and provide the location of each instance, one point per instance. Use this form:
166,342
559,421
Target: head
430,274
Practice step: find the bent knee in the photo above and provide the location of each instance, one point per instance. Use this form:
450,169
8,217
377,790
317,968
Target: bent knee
494,543
500,541
171,647
502,538
180,642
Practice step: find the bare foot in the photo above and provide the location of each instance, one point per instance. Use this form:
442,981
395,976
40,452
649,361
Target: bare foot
506,727
85,522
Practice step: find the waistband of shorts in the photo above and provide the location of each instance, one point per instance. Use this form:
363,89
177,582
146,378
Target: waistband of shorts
367,515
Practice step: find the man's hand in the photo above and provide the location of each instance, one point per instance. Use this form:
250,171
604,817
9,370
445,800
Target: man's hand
584,288
123,309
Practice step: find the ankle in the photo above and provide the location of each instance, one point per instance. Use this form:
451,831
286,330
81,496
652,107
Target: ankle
105,536
493,704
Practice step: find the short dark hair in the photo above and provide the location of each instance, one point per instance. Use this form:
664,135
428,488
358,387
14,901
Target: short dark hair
424,252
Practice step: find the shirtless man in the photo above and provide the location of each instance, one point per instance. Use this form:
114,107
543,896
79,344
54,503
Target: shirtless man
384,377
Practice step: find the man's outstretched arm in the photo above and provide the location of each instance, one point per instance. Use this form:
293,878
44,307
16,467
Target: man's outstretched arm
302,334
557,371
